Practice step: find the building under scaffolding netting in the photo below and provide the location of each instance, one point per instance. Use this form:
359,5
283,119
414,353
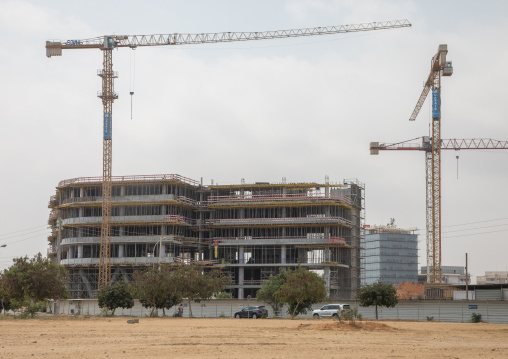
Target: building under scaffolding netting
249,230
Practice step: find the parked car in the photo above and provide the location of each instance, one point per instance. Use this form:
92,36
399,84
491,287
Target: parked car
252,312
330,310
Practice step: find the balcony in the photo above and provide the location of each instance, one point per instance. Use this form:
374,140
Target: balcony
247,222
288,240
117,261
247,200
156,219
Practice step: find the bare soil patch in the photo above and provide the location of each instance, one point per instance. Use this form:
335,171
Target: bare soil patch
336,325
78,337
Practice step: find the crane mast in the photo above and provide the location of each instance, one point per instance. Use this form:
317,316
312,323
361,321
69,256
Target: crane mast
107,95
439,66
107,43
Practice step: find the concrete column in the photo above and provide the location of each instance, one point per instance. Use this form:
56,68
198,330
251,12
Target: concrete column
70,252
283,254
163,231
122,190
80,211
82,192
327,281
240,282
163,249
241,260
241,214
327,254
240,255
80,251
120,250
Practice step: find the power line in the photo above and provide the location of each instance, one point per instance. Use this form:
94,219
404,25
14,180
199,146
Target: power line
25,239
465,224
470,229
24,234
474,234
23,230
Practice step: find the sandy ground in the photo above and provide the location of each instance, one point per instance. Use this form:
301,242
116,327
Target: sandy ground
77,337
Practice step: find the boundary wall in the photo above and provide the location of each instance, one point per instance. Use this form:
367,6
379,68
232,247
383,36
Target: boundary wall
419,310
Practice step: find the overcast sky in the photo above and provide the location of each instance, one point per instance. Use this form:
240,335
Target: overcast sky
299,108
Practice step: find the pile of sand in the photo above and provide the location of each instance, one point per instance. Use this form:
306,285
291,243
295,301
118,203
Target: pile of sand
336,325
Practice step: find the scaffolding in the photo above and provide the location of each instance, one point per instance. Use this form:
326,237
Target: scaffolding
248,230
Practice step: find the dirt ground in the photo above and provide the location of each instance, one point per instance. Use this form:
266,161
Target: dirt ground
79,337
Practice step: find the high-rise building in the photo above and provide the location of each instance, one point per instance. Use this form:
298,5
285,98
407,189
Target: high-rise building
390,255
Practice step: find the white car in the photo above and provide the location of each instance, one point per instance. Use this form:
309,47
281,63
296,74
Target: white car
330,310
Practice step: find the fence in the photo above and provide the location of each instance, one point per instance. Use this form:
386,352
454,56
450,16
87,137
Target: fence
419,310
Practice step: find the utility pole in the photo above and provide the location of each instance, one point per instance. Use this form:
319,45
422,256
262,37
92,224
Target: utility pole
467,281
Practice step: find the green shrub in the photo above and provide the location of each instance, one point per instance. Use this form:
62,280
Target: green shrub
223,295
351,315
32,309
476,318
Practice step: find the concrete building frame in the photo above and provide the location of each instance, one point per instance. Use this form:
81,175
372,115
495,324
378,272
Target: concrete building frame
249,230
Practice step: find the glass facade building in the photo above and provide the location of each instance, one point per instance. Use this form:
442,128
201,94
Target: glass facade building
389,255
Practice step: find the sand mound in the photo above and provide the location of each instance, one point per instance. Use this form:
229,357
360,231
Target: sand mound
336,325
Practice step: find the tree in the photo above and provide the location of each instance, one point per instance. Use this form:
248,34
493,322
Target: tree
378,294
29,281
269,289
5,299
115,296
156,289
301,289
195,284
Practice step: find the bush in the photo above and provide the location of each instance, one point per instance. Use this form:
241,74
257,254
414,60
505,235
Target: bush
32,309
350,315
476,318
430,319
223,295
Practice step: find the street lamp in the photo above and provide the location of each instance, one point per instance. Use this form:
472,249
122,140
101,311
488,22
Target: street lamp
155,246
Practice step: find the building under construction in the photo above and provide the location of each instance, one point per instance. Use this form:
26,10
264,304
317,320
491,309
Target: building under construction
249,230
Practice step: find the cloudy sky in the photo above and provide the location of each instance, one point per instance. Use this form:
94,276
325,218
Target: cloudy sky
301,108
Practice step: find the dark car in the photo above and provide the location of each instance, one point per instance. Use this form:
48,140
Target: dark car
252,312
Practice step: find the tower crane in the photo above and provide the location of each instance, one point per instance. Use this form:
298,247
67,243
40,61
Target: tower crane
438,67
426,144
109,42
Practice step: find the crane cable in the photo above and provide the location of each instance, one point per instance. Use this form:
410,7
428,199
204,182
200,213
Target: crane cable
132,74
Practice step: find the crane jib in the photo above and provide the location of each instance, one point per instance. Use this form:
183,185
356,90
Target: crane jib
111,41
